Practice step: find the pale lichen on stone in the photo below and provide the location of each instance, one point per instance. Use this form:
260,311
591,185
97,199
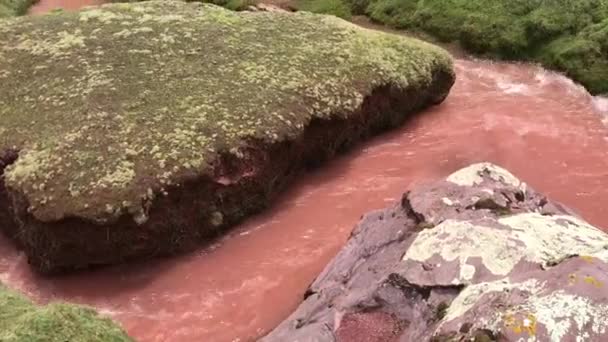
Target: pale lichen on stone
563,313
550,239
601,255
559,313
452,240
471,295
473,175
531,237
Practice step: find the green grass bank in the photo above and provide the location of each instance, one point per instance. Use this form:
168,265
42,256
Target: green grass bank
136,130
12,8
570,36
21,320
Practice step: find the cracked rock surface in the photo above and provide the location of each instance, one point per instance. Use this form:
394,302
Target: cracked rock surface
479,256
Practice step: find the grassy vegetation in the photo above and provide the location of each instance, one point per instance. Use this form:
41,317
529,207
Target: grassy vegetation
333,7
11,8
21,320
235,5
584,56
336,8
566,35
110,106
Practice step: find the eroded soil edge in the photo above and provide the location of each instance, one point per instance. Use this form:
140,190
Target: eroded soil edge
198,209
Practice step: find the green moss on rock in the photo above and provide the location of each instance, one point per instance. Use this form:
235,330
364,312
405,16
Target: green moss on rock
111,105
566,35
21,320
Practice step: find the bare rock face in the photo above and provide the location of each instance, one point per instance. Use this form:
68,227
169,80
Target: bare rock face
478,256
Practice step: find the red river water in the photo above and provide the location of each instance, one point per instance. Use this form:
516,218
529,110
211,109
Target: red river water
538,124
43,6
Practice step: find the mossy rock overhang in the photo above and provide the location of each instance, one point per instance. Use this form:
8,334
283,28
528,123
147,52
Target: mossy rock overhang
138,130
21,320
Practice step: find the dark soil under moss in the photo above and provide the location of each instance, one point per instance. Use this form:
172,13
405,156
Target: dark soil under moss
200,208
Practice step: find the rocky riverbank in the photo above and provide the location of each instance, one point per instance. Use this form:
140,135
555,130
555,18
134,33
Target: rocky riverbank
479,255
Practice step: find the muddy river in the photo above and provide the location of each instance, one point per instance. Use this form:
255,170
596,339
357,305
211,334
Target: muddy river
538,124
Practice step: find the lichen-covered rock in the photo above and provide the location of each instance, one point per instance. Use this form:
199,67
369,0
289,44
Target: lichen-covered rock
21,320
478,256
138,129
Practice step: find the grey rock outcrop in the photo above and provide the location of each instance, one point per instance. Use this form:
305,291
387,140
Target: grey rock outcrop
478,256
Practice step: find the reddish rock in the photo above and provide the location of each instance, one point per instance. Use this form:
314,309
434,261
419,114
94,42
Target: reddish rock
368,327
478,256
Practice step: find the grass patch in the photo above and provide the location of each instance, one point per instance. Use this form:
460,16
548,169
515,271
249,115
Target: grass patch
332,7
584,56
235,5
21,320
12,8
565,35
112,105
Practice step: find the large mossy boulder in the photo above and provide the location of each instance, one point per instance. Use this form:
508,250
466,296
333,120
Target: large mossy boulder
21,320
478,256
138,130
566,35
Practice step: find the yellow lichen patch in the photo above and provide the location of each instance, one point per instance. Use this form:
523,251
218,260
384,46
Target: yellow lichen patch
593,281
529,324
521,323
26,169
511,322
120,177
587,258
